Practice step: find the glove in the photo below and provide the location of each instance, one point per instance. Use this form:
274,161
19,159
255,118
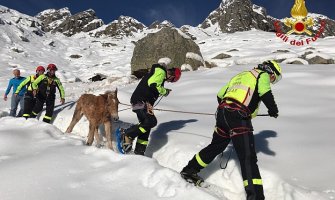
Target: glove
167,92
273,114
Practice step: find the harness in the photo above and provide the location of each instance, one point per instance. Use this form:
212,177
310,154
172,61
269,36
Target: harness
233,105
50,82
230,104
30,83
233,132
143,106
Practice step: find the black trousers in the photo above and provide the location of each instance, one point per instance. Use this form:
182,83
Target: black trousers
29,103
231,126
50,105
142,130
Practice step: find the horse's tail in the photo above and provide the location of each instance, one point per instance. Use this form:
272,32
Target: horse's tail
78,109
77,115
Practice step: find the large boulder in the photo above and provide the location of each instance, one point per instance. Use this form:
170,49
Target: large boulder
166,43
319,60
2,22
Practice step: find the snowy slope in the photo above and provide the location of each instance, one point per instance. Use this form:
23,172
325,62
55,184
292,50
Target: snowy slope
45,164
39,161
69,168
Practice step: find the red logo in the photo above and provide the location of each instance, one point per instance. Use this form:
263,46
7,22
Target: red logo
299,23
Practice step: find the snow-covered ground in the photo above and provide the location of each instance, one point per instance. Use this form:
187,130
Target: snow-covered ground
39,161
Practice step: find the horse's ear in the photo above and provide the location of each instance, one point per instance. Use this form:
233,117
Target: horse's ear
116,91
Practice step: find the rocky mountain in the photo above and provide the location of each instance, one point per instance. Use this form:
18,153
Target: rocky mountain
20,32
238,15
329,29
23,25
163,24
242,15
123,26
231,16
52,18
62,21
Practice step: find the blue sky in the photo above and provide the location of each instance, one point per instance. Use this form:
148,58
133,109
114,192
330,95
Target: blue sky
179,12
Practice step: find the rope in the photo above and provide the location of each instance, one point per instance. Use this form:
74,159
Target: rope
124,105
158,101
131,107
124,109
263,115
230,152
177,111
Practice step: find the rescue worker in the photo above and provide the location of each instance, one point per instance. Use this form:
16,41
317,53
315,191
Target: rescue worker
29,99
44,89
238,103
142,100
16,99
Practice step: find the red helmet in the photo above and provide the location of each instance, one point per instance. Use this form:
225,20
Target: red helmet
40,68
52,67
176,73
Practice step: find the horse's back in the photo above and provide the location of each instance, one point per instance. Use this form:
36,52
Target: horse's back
92,106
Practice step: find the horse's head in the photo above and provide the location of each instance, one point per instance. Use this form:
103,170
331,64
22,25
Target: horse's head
113,104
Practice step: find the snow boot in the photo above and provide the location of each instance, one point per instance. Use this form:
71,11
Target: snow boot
140,149
123,143
127,142
191,176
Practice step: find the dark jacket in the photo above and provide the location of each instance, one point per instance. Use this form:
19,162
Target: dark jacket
151,86
47,86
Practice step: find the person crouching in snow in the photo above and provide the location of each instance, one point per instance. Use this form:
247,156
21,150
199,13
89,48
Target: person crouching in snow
46,85
142,100
29,99
238,103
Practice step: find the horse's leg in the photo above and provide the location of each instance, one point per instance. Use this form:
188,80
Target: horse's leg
108,133
77,115
96,135
90,136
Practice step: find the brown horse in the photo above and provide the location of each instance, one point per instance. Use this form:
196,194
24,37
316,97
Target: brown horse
98,110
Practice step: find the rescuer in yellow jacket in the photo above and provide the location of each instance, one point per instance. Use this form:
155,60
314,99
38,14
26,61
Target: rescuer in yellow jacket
29,99
238,104
44,89
143,98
